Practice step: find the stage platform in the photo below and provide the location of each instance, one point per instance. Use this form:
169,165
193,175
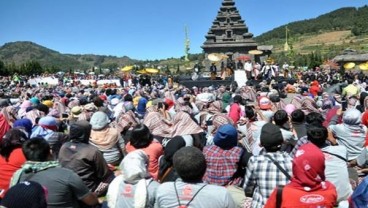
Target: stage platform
205,82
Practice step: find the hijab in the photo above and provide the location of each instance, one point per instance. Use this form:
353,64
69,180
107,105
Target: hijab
309,169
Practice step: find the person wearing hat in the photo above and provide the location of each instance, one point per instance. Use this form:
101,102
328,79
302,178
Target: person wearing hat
107,139
189,190
226,161
262,171
47,128
85,159
265,105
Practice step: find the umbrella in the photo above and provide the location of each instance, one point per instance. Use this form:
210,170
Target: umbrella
363,66
349,65
215,57
255,52
127,68
243,58
152,70
142,71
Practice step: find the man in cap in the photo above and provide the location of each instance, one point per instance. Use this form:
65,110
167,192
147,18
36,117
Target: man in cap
270,168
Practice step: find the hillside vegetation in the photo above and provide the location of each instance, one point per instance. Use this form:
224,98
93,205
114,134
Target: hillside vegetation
328,33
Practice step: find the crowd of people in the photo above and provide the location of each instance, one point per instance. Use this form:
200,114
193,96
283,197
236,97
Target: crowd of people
271,142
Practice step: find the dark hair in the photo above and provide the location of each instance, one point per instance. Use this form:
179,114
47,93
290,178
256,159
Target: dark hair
317,134
141,136
43,108
108,92
314,117
190,164
98,102
13,139
237,99
163,105
36,149
297,116
280,117
128,97
249,112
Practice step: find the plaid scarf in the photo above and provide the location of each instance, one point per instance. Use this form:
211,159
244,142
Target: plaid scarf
34,167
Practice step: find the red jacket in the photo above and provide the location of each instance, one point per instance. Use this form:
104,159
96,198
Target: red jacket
292,197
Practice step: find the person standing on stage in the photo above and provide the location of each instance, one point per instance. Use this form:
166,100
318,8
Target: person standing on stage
213,70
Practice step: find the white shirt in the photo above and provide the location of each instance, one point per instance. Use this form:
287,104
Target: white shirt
248,66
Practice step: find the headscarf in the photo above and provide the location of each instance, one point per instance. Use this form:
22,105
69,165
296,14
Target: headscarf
80,131
33,115
352,117
9,113
156,124
248,93
134,168
128,119
308,105
183,124
309,169
171,147
215,107
24,123
23,107
181,106
297,101
219,120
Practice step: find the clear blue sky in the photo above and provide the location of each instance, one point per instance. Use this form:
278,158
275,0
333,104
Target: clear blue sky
141,29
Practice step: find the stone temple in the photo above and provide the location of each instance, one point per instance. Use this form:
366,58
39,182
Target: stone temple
229,34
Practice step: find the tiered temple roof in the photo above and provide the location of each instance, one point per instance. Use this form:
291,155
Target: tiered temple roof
229,33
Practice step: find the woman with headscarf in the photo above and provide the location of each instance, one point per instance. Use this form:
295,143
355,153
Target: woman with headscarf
11,157
135,187
308,105
25,125
126,122
158,126
308,186
166,169
184,125
107,139
23,107
217,121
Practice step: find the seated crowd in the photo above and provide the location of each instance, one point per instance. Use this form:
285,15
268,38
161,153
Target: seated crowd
165,147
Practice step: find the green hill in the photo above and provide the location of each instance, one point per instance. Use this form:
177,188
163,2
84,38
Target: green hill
334,31
23,51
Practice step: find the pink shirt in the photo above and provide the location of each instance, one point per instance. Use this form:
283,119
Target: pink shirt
153,151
